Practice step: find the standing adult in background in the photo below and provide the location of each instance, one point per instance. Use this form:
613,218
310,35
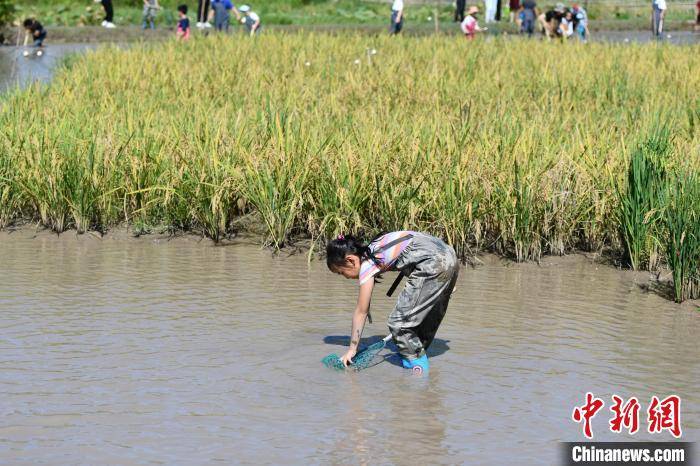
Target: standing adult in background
460,5
529,13
109,13
203,14
658,11
490,16
221,11
396,17
514,7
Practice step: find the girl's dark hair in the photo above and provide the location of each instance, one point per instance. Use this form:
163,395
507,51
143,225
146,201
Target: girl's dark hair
342,246
182,9
28,22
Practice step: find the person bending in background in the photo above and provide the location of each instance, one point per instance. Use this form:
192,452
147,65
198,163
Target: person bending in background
221,12
566,26
251,20
580,22
35,30
470,26
109,13
550,20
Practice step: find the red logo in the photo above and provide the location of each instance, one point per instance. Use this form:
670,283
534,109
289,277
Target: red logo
665,415
626,416
661,415
587,412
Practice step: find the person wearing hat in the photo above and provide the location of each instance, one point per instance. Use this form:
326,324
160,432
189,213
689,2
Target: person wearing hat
551,19
250,19
470,26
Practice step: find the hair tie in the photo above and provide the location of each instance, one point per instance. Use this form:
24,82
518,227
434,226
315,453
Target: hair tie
341,237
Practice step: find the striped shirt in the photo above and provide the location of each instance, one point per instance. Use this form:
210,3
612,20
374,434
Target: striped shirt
387,248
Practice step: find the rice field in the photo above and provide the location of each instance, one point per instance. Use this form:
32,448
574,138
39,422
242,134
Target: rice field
520,148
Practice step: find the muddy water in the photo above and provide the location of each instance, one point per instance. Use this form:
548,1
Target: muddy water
118,351
18,70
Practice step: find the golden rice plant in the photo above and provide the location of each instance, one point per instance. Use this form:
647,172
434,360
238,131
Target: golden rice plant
497,144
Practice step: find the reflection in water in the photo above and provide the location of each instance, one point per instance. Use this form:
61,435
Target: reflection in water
134,351
18,70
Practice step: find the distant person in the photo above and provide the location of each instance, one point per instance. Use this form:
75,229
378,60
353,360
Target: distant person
490,15
203,14
658,11
470,25
697,16
183,23
221,11
251,20
514,7
550,21
150,9
566,25
528,14
396,17
36,31
580,22
460,5
109,13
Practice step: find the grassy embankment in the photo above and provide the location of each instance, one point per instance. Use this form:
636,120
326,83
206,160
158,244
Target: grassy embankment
515,149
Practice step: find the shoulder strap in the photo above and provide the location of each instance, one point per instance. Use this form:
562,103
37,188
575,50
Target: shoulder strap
394,243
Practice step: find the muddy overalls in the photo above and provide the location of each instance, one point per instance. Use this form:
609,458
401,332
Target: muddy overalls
431,268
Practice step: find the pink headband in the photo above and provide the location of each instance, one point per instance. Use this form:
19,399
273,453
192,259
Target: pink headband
341,237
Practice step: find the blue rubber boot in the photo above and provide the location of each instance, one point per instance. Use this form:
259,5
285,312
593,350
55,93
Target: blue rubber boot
417,365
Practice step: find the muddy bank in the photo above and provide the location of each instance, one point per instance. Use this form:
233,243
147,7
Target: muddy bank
251,233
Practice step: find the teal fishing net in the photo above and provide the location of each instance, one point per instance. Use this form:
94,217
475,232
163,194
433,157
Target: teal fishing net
362,359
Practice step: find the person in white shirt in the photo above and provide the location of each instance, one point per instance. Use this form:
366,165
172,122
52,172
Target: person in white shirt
396,17
566,25
658,11
250,19
491,6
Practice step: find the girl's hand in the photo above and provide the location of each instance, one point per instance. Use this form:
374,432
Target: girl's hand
347,357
